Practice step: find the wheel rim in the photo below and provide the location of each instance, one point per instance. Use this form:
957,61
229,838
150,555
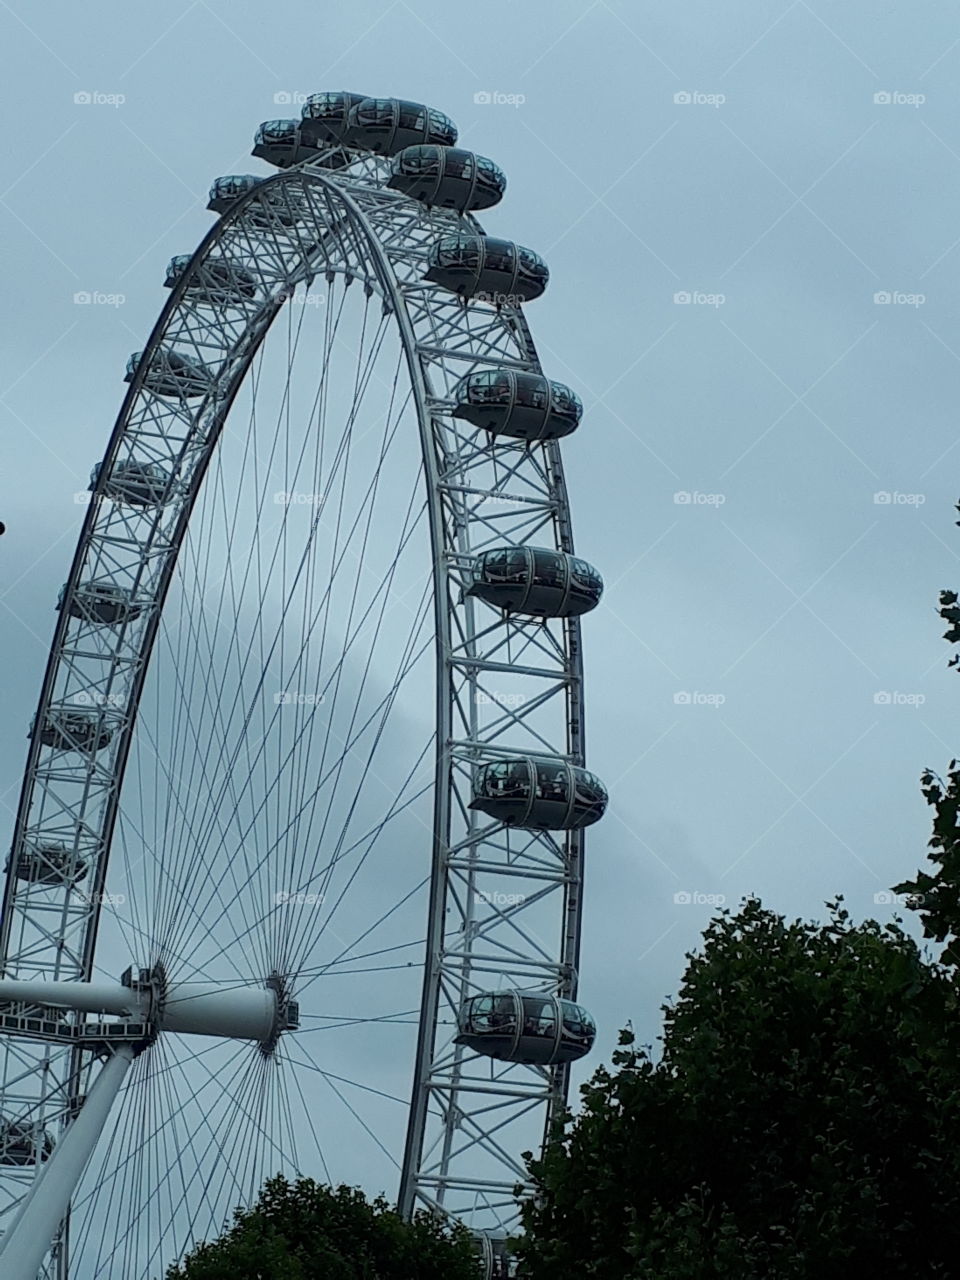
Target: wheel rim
501,685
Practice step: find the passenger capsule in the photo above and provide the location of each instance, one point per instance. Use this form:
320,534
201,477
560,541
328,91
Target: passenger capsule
536,581
273,208
516,1026
23,1143
48,862
539,794
138,484
100,602
387,125
488,270
225,191
325,116
447,178
170,373
523,406
215,281
66,729
282,143
490,1248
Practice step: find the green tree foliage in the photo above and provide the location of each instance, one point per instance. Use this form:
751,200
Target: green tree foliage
937,897
305,1231
802,1121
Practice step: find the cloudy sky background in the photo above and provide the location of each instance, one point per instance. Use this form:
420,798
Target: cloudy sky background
766,677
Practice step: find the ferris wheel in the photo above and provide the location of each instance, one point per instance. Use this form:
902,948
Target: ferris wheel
296,880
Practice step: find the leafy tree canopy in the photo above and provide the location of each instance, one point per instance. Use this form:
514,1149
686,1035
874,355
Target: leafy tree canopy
305,1231
803,1120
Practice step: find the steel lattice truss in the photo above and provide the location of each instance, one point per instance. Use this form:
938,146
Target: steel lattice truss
505,904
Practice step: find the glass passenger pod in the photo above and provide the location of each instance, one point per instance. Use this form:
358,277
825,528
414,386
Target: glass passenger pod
283,143
491,1251
136,483
447,178
533,1029
172,374
48,863
100,602
489,270
228,189
272,208
387,125
325,116
67,729
541,795
23,1144
523,406
537,581
214,281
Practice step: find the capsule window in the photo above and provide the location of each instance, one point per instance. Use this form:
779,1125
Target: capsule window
550,568
552,783
499,257
539,1018
493,389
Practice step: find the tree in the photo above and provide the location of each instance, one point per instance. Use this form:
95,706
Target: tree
937,897
304,1231
802,1121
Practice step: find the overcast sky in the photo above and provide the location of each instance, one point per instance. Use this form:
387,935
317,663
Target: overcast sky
752,218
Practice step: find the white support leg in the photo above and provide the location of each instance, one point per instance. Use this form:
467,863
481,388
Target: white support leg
25,1245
